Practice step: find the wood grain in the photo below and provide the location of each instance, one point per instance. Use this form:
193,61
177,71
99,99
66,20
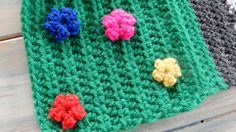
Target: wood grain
213,106
221,124
16,110
9,18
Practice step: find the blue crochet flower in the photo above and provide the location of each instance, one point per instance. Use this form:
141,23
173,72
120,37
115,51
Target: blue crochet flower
62,23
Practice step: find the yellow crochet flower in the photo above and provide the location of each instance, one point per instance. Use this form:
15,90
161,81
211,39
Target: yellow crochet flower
166,71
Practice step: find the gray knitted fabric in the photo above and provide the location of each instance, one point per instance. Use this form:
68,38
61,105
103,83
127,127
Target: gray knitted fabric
218,31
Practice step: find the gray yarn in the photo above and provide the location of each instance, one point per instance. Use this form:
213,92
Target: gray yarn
218,31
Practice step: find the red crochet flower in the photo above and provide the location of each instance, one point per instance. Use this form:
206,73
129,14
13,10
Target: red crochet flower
67,110
119,25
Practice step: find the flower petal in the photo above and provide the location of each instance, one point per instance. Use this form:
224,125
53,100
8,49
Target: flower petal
113,33
157,63
128,20
78,112
68,122
54,15
118,13
126,32
57,30
73,27
169,80
169,61
158,76
56,114
176,71
68,14
71,101
59,101
109,22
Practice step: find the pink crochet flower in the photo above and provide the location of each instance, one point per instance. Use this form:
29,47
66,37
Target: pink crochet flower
119,25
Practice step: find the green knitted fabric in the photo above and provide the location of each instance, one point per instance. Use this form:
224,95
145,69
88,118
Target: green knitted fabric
113,79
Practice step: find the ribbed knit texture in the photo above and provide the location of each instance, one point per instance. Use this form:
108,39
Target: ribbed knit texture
114,79
218,30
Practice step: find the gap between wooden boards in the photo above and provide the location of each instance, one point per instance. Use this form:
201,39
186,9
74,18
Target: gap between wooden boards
10,36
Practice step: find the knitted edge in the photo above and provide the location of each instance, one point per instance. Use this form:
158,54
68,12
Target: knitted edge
26,36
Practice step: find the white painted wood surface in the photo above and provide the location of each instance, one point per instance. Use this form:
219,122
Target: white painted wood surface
9,17
218,112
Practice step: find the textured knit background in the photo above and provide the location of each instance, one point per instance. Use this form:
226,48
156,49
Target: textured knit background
113,80
218,30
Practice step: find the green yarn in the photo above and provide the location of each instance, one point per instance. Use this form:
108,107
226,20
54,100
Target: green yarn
113,79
